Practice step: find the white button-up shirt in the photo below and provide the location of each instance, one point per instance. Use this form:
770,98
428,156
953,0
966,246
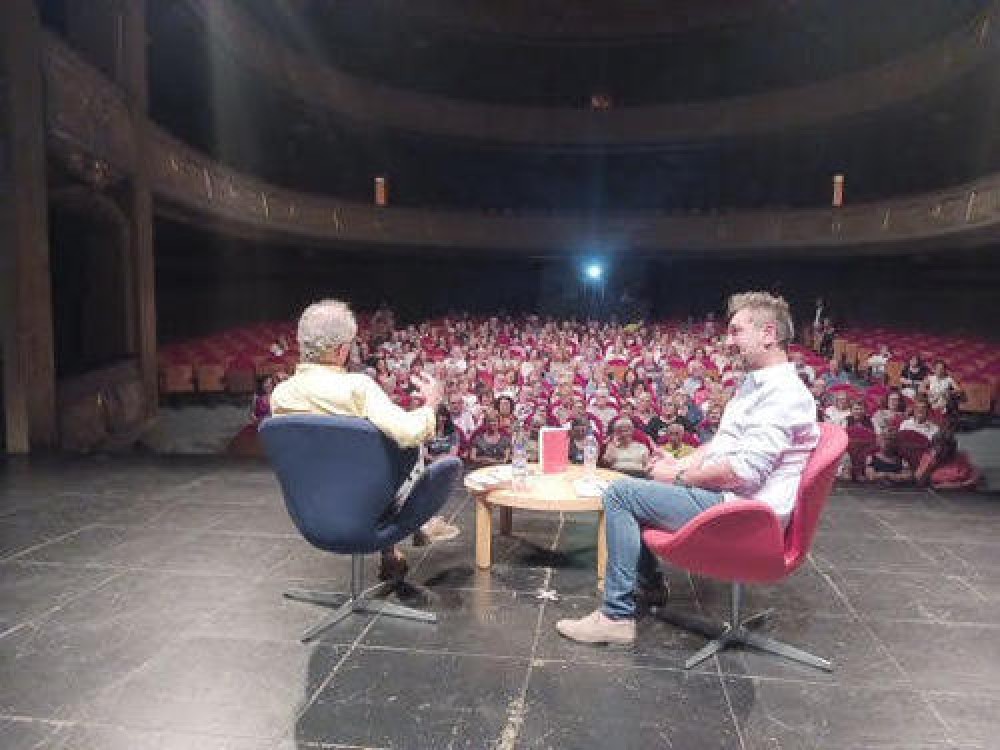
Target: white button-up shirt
767,432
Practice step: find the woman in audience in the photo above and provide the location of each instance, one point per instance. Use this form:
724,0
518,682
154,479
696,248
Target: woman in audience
885,464
942,466
490,446
942,390
646,418
624,453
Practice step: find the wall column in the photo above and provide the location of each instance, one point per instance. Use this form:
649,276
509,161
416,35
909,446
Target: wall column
25,279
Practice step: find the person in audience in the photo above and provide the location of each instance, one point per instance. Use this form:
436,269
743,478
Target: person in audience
602,408
942,466
675,444
505,406
838,412
804,371
891,414
942,390
445,441
836,375
710,424
827,334
321,385
765,438
695,380
624,453
821,396
646,418
858,416
913,374
688,412
490,446
920,420
876,364
262,398
461,417
885,465
536,424
578,433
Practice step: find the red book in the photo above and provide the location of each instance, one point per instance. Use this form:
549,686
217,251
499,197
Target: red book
553,449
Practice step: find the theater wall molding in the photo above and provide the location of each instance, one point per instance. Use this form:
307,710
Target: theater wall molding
365,101
85,112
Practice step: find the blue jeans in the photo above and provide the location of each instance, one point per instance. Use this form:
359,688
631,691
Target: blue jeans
630,504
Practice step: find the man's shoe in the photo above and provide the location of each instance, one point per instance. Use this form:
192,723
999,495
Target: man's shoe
435,530
598,628
392,568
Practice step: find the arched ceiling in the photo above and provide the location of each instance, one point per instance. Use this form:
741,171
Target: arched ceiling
560,52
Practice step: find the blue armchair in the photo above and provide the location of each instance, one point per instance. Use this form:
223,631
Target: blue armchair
339,477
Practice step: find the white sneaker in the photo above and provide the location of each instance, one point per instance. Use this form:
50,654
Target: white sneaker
597,627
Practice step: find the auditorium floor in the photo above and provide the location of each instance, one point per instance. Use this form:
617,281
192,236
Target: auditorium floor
140,608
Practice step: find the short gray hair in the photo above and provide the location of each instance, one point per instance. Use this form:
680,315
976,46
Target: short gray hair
323,325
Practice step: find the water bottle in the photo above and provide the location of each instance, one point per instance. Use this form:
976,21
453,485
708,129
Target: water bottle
519,460
590,454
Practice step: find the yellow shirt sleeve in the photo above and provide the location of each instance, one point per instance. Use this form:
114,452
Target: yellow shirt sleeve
407,428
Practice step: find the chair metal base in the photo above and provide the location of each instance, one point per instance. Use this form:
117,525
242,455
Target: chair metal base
359,601
735,631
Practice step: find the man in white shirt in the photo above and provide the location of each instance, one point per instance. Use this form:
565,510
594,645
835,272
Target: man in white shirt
765,438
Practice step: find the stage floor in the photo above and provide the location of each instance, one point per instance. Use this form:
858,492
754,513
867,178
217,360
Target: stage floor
140,607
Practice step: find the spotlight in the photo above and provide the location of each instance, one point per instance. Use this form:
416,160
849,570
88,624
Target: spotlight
594,271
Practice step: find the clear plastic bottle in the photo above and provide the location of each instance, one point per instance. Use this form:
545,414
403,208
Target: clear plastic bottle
590,450
519,459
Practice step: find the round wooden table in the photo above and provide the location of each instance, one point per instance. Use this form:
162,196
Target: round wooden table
549,492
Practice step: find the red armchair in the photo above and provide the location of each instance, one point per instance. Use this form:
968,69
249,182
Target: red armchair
742,542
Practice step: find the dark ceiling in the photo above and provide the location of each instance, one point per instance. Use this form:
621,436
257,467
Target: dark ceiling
220,106
784,44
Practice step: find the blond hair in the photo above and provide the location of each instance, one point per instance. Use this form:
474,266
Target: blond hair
766,308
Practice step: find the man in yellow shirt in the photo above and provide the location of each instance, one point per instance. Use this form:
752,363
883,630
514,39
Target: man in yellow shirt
322,385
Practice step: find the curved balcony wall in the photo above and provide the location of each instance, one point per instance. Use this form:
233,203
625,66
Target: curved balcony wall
366,102
87,114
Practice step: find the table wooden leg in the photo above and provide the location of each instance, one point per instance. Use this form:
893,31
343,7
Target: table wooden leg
484,534
602,549
506,521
